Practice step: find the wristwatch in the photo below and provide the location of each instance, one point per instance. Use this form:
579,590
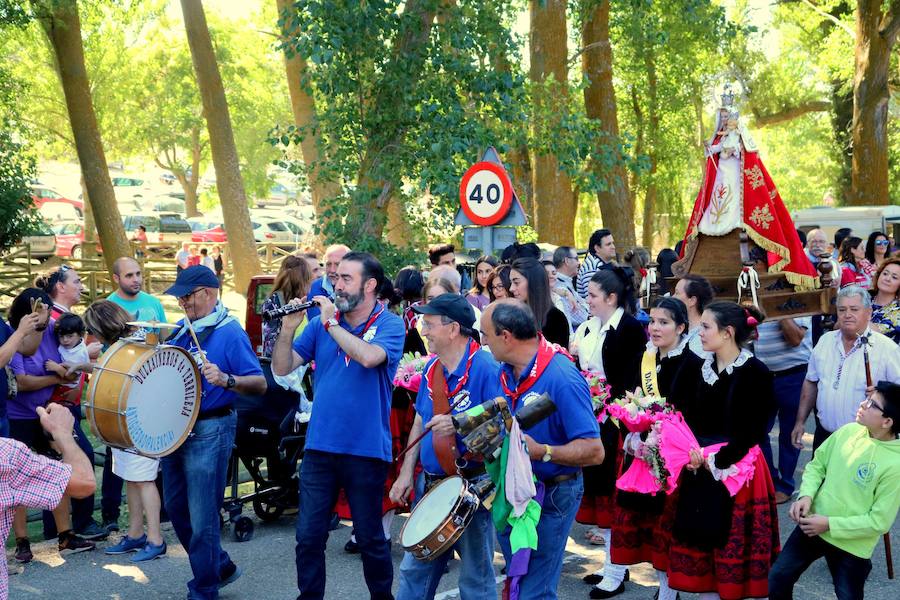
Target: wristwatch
332,322
548,453
230,383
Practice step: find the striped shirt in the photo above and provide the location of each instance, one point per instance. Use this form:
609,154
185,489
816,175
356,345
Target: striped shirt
29,480
774,351
841,376
586,271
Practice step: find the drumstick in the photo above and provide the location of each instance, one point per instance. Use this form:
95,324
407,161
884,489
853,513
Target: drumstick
187,322
413,443
864,341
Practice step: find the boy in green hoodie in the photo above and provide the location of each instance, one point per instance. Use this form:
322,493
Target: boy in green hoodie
849,497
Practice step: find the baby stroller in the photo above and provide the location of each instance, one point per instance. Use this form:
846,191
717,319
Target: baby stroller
269,443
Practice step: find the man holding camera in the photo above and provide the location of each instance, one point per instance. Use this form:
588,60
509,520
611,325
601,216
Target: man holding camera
462,376
558,445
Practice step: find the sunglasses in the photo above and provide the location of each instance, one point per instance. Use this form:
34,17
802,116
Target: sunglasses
186,297
882,243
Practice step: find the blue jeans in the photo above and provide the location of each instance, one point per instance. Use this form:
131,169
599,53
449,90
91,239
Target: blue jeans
322,475
561,502
195,483
419,579
848,572
787,398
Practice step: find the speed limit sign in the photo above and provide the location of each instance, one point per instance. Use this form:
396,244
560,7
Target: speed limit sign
485,193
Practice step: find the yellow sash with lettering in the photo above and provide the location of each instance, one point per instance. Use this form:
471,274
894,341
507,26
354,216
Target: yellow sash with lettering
649,382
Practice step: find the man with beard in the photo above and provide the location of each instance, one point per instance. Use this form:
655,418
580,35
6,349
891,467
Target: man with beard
324,285
357,344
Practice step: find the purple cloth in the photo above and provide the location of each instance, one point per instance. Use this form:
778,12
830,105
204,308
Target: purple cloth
23,406
518,564
478,301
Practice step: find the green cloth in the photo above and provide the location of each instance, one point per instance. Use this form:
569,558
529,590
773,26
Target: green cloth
854,480
524,528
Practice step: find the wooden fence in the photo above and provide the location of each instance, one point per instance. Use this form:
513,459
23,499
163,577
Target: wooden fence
17,270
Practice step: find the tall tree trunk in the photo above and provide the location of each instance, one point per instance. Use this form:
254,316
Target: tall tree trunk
875,35
375,182
554,203
616,205
62,25
649,225
303,107
230,185
842,128
89,226
397,230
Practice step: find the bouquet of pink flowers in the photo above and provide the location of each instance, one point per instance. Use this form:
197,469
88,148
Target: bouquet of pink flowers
647,473
637,411
600,390
409,372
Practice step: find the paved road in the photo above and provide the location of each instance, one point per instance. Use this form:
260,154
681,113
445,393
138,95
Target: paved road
268,564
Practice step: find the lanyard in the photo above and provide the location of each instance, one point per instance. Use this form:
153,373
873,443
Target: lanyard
856,345
473,348
545,354
374,317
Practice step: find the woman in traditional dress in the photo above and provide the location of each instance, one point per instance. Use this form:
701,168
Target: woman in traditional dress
855,269
722,545
611,344
886,299
642,523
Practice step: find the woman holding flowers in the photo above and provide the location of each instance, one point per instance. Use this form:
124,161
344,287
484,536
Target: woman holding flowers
609,344
642,522
723,545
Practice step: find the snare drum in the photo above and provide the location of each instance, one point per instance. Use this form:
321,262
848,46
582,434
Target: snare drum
439,519
144,398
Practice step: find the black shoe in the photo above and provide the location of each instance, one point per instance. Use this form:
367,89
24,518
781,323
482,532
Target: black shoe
656,595
351,547
93,532
598,593
69,543
595,578
23,550
335,522
110,525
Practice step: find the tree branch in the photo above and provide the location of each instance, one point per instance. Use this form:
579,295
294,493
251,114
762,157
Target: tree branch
829,17
790,113
890,30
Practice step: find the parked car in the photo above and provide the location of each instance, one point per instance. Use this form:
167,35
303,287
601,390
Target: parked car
279,195
131,189
208,230
274,232
170,203
53,206
161,227
42,242
70,240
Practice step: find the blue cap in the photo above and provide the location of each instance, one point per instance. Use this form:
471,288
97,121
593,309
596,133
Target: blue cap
192,278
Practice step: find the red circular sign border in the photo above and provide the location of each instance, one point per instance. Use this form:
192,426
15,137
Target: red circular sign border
505,202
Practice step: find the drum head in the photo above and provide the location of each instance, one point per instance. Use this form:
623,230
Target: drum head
162,401
433,509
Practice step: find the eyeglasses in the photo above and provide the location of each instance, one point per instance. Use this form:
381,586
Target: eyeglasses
498,286
186,297
870,403
882,243
573,257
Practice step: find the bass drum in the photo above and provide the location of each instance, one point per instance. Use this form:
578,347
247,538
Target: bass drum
144,398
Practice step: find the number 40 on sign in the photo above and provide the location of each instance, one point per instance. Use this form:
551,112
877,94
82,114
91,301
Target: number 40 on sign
485,193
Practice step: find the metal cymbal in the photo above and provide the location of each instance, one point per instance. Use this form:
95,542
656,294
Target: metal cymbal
153,324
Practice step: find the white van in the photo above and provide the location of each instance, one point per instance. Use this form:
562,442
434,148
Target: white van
863,220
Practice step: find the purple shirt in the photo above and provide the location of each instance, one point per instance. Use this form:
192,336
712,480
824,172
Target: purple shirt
23,406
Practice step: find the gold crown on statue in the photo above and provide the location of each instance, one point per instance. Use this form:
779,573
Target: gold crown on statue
727,97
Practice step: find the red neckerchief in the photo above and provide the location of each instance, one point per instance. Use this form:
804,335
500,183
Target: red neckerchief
545,354
429,377
376,312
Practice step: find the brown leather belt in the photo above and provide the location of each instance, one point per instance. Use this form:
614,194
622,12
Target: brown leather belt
560,478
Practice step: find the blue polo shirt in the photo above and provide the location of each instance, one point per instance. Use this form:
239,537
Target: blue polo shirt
574,417
319,287
228,347
352,404
483,385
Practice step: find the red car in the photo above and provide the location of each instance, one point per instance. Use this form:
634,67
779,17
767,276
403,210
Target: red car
259,289
209,232
70,239
53,206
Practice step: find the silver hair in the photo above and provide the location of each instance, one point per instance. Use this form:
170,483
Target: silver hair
855,290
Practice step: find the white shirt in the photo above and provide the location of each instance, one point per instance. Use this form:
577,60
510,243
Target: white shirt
841,377
695,344
589,340
209,263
